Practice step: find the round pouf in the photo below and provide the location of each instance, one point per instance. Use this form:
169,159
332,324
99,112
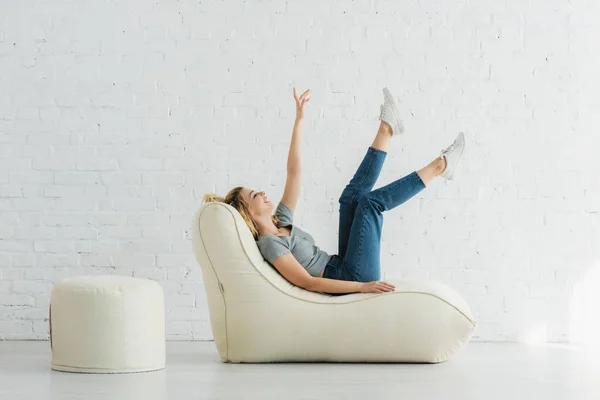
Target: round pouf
107,324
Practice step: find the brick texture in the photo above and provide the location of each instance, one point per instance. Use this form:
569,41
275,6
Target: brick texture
116,117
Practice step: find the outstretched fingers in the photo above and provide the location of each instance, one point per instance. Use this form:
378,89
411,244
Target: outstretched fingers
383,287
303,97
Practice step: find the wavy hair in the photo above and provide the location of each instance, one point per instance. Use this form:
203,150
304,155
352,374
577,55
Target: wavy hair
234,198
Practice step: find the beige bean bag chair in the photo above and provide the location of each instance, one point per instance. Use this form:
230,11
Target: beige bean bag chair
258,316
107,324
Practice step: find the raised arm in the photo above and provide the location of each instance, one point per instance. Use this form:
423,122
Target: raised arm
293,182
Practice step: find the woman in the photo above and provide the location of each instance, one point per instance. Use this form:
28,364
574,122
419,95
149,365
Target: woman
355,268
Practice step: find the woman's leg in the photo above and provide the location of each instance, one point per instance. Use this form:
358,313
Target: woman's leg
432,170
363,181
361,262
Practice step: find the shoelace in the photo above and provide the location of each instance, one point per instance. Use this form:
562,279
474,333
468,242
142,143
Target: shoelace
450,148
382,111
382,108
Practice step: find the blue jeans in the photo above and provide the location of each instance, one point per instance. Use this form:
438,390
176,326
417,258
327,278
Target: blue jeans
361,219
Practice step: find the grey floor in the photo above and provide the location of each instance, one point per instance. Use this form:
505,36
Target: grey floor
480,371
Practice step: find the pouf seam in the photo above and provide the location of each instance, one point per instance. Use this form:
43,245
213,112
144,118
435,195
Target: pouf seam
220,285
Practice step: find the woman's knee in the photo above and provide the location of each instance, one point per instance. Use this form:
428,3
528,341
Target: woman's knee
369,201
353,199
365,201
345,199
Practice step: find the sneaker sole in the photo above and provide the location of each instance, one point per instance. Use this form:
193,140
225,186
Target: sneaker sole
387,95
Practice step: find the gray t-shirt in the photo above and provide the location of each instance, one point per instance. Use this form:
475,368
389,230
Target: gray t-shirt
299,243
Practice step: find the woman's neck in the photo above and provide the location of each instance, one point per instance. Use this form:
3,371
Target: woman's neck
267,228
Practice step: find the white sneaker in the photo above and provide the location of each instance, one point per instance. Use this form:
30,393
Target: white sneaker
453,155
390,113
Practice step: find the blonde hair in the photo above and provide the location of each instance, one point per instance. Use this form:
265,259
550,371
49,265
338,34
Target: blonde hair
234,198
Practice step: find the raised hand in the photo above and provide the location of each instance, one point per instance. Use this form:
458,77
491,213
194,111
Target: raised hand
300,102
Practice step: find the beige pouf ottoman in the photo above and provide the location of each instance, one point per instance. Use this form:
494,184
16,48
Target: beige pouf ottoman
107,324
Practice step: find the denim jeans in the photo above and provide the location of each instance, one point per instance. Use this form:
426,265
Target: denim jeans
361,219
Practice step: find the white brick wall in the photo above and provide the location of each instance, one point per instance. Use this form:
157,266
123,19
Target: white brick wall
115,118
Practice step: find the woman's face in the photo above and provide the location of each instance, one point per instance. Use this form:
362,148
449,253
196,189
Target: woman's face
258,202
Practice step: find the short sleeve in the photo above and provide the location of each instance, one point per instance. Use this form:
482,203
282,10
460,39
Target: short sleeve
285,215
272,248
